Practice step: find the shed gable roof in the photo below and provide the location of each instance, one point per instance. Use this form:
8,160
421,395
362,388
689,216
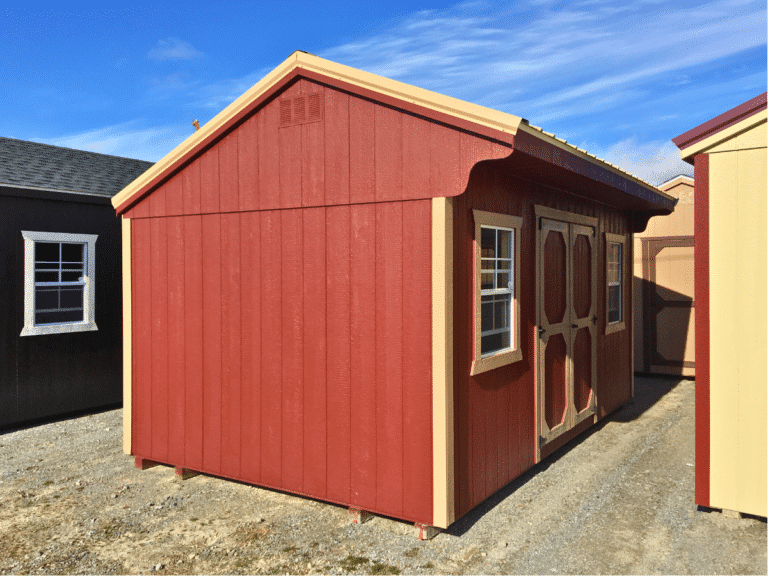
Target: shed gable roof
488,123
34,166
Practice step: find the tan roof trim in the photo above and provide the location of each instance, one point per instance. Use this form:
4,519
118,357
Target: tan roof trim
576,151
688,153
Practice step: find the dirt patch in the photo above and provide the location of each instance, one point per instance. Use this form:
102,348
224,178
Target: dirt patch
616,500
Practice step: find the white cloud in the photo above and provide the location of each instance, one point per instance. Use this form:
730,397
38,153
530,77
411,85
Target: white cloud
655,161
173,49
128,140
551,56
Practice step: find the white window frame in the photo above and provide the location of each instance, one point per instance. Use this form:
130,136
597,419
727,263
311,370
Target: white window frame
89,309
620,324
484,362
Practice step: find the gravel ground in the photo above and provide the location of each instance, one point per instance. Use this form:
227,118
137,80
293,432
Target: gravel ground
619,499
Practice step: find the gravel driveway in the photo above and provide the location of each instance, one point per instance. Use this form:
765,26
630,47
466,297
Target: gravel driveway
619,499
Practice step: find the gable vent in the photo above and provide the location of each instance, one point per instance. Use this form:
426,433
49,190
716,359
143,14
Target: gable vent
314,107
285,112
301,109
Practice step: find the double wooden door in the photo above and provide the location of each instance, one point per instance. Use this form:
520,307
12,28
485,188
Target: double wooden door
567,321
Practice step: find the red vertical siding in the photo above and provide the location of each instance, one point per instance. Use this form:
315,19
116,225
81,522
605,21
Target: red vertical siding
176,345
269,157
271,349
190,187
389,356
159,274
231,315
313,164
228,174
174,197
314,352
193,341
157,201
211,271
248,165
337,142
292,325
363,364
141,292
339,314
701,276
362,169
417,365
250,293
209,181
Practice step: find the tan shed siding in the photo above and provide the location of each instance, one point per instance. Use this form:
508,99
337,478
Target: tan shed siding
127,356
737,224
444,509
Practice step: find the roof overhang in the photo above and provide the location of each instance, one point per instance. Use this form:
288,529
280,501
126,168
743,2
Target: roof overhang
564,162
722,127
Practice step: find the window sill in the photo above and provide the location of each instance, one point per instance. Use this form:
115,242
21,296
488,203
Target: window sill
611,328
495,361
58,328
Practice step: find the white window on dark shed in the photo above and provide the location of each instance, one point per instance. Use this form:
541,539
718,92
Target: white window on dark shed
58,283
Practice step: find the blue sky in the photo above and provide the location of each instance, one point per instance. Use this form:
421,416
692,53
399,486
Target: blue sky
618,79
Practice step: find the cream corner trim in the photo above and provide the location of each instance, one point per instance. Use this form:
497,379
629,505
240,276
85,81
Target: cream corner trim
718,137
127,336
438,102
443,509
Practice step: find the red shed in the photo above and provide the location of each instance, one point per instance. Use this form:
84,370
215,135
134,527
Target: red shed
353,289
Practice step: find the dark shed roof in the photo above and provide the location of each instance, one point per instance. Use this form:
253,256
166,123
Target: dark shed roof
52,168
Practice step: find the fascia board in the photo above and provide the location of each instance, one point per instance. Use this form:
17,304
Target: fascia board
688,153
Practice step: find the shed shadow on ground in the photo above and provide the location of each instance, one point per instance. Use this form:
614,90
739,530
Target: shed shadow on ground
35,422
648,391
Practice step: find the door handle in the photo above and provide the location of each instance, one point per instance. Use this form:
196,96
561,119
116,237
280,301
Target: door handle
541,331
574,325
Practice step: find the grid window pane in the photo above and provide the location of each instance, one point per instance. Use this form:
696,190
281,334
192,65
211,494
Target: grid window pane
496,307
488,242
486,314
71,252
614,282
59,282
47,252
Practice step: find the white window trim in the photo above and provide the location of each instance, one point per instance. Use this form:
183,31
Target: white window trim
480,362
612,327
89,310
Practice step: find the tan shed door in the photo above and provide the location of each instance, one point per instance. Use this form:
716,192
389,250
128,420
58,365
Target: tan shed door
668,304
567,315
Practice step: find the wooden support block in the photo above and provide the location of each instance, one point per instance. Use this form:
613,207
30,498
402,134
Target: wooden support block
424,532
143,463
358,516
732,514
185,473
